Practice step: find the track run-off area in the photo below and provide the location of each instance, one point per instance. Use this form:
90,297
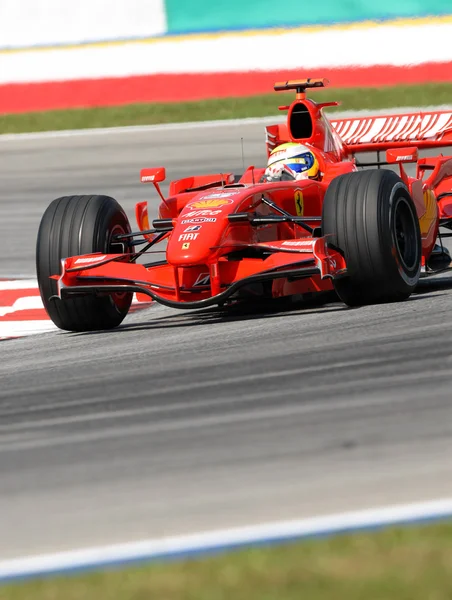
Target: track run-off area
180,422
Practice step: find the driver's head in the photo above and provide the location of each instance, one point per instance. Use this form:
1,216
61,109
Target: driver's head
291,161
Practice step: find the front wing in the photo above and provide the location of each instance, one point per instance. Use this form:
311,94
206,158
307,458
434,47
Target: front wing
308,261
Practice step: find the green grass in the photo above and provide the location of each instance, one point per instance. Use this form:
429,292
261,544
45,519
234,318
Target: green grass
225,108
395,564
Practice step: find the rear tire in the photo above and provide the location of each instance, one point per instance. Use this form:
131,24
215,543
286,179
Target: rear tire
74,225
370,218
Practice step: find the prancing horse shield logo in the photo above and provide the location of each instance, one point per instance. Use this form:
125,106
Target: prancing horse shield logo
299,204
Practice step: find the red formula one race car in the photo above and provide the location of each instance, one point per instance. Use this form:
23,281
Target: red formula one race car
368,234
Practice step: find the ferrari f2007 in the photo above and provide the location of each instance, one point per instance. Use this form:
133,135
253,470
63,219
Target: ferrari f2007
317,223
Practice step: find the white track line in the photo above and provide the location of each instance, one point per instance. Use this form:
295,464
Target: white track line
42,135
220,540
139,128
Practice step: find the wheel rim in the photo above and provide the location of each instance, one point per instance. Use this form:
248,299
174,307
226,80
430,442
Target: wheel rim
405,234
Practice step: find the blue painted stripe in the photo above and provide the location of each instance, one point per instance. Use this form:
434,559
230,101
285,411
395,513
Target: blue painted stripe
214,548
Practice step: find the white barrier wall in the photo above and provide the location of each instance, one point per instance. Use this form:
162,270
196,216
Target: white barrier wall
234,52
25,23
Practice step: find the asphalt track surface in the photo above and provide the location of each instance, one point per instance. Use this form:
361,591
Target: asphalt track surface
185,421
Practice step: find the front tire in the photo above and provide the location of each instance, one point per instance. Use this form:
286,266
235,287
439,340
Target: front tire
371,219
71,226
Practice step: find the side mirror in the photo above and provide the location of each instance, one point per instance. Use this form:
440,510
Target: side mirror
152,175
402,155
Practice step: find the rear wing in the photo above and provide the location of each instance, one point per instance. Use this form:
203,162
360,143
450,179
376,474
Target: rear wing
430,129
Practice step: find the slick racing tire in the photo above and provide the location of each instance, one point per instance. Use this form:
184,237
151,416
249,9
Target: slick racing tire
74,225
370,218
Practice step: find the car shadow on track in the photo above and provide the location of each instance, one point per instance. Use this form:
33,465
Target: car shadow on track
242,312
325,303
435,284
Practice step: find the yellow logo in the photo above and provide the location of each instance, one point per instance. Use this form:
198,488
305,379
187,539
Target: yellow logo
185,245
299,203
428,219
212,203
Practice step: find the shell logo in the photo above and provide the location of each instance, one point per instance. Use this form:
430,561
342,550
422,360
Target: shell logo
212,203
428,219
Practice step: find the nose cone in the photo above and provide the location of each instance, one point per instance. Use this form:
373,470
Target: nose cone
200,227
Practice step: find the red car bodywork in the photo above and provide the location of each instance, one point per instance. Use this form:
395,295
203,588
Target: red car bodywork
225,236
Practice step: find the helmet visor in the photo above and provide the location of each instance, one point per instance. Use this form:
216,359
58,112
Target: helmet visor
301,162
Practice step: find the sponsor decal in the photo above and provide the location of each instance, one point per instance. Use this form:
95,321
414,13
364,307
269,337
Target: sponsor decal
147,178
185,245
193,228
202,213
278,155
299,202
199,220
203,279
187,236
428,219
91,259
210,202
298,243
222,194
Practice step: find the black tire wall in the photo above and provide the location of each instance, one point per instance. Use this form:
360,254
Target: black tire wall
74,225
364,214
